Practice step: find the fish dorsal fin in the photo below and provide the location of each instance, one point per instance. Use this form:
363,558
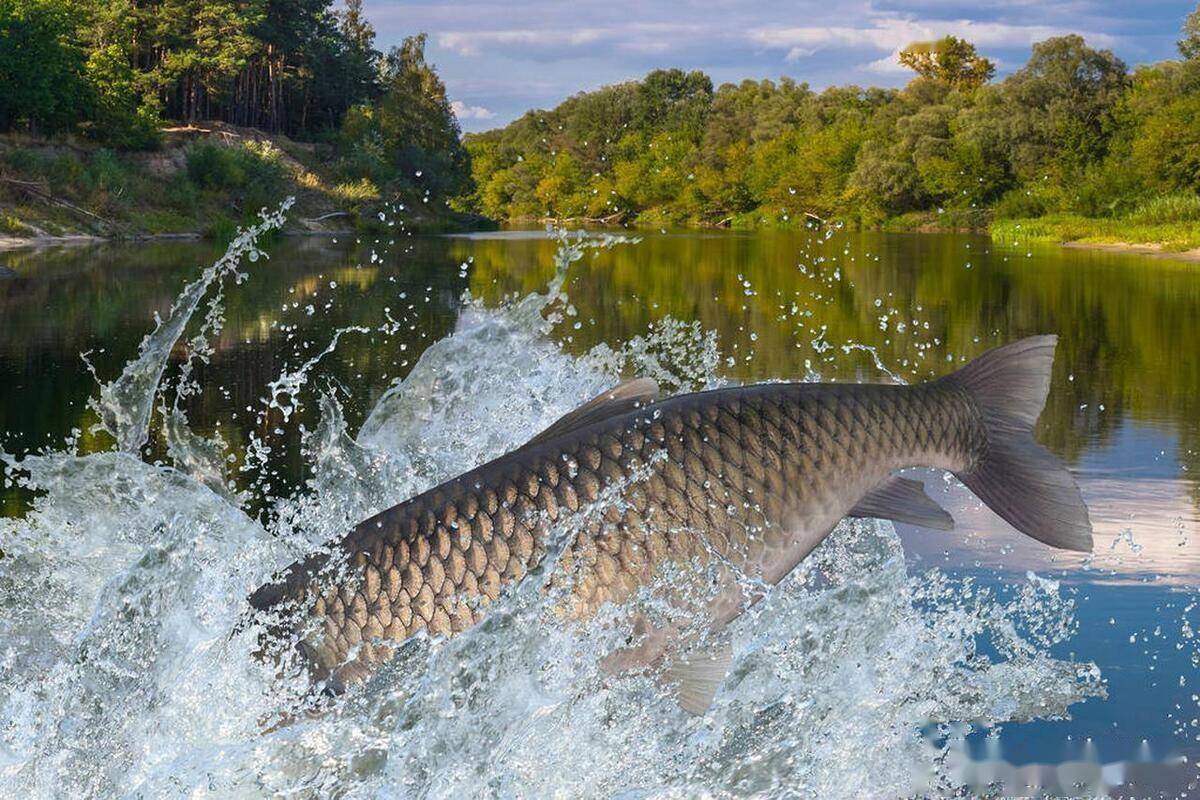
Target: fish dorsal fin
625,396
697,676
902,500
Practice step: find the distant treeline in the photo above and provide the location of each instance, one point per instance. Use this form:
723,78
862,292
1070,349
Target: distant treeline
1073,131
117,71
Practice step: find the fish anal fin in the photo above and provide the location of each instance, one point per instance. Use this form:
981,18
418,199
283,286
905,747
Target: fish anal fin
625,396
903,500
696,676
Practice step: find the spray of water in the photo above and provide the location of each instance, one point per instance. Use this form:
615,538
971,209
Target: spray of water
126,667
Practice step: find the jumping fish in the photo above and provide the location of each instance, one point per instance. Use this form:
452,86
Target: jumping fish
752,476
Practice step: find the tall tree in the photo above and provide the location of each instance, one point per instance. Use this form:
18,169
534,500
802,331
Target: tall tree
1189,45
360,58
1060,103
206,43
42,81
411,125
950,60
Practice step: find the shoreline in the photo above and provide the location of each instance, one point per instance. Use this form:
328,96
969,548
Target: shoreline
12,243
9,243
1151,250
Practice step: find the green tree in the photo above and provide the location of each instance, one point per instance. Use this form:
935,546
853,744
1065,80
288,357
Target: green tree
1189,45
670,99
950,60
1059,106
412,124
42,82
359,60
206,44
1166,148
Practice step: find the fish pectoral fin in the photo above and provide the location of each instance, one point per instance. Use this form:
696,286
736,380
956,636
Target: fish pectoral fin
625,396
696,676
903,500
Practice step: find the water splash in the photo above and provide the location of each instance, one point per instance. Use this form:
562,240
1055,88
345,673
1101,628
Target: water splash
122,586
125,404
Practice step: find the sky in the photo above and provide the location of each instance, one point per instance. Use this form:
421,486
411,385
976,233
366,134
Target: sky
500,58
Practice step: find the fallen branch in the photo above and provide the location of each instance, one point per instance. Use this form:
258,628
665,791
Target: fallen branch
330,215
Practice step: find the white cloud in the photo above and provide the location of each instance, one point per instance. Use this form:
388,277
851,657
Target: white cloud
639,39
474,43
888,65
518,54
465,112
893,34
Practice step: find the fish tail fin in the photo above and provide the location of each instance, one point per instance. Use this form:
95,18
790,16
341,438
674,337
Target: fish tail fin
1015,476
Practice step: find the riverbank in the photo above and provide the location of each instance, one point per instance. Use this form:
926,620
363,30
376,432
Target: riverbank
35,242
204,181
1169,239
1175,240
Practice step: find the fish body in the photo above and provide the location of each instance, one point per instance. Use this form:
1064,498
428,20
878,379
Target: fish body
752,478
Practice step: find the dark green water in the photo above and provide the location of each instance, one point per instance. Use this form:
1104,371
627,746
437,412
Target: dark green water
1124,408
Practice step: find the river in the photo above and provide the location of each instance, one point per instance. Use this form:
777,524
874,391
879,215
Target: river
981,642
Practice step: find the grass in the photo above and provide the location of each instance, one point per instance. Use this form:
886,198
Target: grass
11,225
1179,207
1170,236
356,192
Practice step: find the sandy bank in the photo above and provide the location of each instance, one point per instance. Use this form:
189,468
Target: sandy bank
1152,250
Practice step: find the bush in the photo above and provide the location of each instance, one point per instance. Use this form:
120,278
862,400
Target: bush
11,225
66,173
1022,202
181,194
265,172
107,172
213,166
253,173
1110,189
24,160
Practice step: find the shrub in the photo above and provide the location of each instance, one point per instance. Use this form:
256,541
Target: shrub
213,166
107,171
67,174
181,194
24,160
253,173
1022,202
10,224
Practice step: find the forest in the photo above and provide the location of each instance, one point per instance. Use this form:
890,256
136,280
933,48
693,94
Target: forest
1072,139
1073,144
121,79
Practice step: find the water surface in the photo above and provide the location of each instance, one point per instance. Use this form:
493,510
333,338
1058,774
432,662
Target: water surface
1124,407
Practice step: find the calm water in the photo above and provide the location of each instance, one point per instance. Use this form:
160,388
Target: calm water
1124,408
